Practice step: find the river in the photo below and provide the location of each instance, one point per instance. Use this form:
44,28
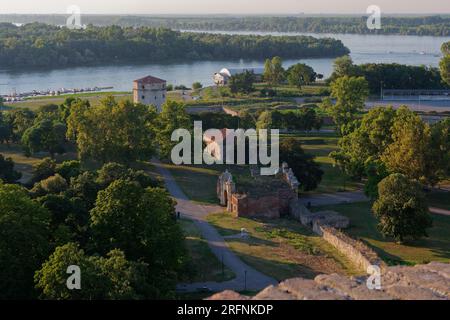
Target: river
412,50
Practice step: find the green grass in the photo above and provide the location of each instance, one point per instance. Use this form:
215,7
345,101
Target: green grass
281,248
93,97
25,164
204,264
321,145
199,182
364,227
293,91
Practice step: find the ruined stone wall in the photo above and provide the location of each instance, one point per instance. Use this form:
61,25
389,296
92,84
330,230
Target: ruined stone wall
249,207
422,282
356,251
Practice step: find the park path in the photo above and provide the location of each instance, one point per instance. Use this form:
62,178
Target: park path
326,199
442,212
247,278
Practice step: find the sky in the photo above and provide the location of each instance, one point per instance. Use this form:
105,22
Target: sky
227,6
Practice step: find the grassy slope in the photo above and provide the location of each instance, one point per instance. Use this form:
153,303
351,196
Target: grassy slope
281,248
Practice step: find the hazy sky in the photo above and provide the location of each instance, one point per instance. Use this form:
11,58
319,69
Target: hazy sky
227,6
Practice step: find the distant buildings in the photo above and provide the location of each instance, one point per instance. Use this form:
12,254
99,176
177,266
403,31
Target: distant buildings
150,91
222,77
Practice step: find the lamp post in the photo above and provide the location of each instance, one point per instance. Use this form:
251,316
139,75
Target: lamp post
245,280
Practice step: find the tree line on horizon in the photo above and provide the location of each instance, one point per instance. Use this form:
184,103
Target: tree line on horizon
429,25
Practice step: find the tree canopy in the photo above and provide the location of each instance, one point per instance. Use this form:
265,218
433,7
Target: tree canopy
112,131
401,208
41,45
24,241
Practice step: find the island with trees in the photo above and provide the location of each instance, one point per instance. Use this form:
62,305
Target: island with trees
41,45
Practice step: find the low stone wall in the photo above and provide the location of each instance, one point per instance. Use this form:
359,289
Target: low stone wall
356,251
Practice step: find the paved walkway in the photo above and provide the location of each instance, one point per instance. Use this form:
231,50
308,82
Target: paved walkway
440,211
326,199
247,278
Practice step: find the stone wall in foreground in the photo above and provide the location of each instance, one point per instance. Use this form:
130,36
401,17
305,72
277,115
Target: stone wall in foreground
356,251
422,282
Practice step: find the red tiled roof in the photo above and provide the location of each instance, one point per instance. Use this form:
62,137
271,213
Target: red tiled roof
150,80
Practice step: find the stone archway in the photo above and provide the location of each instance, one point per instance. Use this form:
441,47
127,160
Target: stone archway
225,188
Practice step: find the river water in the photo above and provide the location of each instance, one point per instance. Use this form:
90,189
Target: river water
412,50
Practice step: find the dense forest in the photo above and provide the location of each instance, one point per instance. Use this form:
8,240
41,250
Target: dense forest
436,25
41,45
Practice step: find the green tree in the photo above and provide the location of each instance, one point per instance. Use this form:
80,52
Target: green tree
113,131
366,143
45,136
306,170
69,169
6,127
274,73
172,117
445,63
51,185
141,223
401,208
265,121
24,241
440,147
43,170
242,82
22,120
410,150
300,74
343,66
110,278
197,86
7,172
350,94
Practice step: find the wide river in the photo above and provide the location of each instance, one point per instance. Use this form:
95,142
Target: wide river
412,50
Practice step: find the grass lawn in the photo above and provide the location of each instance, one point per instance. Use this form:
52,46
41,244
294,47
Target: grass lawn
25,164
93,97
280,248
321,145
204,264
199,182
364,227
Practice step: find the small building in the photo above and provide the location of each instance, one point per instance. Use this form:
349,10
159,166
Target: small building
263,197
150,91
222,77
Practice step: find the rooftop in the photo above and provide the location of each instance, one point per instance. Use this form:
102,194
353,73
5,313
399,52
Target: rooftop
150,80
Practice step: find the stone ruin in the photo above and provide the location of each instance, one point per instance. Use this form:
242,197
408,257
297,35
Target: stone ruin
421,282
265,196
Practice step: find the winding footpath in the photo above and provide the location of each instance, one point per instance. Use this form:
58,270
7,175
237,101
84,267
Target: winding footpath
247,278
